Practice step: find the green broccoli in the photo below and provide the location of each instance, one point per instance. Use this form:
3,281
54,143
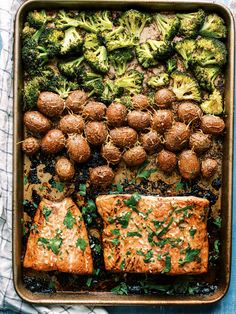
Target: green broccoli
91,42
214,26
37,18
214,104
97,59
160,49
206,76
125,100
86,21
186,49
118,39
31,91
132,82
134,21
159,80
167,25
145,55
64,20
171,65
71,68
190,23
51,40
111,92
119,59
103,20
72,41
60,85
185,87
210,51
27,31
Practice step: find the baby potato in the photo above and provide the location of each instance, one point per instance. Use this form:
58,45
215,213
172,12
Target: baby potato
50,104
164,98
101,176
116,114
94,111
209,167
150,141
71,123
36,122
139,120
162,120
177,136
124,137
140,102
53,141
212,124
64,169
200,142
135,156
31,146
189,165
96,132
189,112
111,153
76,100
78,148
166,161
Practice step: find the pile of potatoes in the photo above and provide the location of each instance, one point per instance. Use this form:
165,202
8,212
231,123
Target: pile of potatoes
177,137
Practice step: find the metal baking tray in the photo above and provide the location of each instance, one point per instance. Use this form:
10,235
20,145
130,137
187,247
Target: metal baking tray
107,298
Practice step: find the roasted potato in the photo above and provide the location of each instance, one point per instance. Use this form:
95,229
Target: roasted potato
140,102
64,169
71,123
124,137
209,167
53,141
162,120
111,153
166,161
96,132
76,100
78,148
189,112
36,122
212,124
50,104
102,176
94,111
200,142
189,165
31,146
138,120
150,141
164,98
116,114
135,156
177,136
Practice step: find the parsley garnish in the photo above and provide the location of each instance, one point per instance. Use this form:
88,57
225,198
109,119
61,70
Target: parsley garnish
59,186
122,265
69,220
89,211
147,256
191,255
167,264
132,201
115,241
89,282
81,243
134,234
165,229
25,179
192,232
122,288
179,186
145,173
115,232
217,246
217,221
46,212
51,244
82,189
124,219
118,188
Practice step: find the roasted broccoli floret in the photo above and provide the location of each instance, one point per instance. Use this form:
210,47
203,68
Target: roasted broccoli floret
125,100
71,68
171,65
97,59
27,31
210,51
87,22
145,55
190,23
38,18
186,49
214,26
119,59
206,76
214,104
72,41
158,80
132,82
103,20
51,40
134,21
59,84
91,42
160,49
111,92
168,25
91,82
118,39
32,89
185,87
64,20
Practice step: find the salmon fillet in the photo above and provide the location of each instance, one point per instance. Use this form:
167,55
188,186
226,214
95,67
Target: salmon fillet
149,234
58,239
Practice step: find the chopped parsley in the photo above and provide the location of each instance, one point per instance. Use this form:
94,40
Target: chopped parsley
165,229
111,220
115,232
89,282
145,173
53,244
167,264
115,241
46,212
122,265
132,201
69,220
185,210
118,188
147,256
121,289
217,221
191,256
192,232
217,246
89,211
124,219
82,189
81,243
25,179
179,186
134,234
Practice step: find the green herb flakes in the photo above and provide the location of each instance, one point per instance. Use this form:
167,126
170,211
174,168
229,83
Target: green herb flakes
81,243
122,265
115,232
25,179
115,241
53,244
134,234
191,256
46,212
69,220
192,232
124,219
217,222
167,264
121,289
59,186
132,201
89,282
217,246
145,173
82,189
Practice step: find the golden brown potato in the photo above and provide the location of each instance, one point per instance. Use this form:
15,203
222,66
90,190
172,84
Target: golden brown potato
189,112
140,102
96,132
189,165
177,137
64,169
139,120
76,100
166,161
71,123
36,122
162,120
124,137
101,176
200,142
53,141
78,148
31,146
111,153
209,167
164,98
116,114
150,141
135,156
50,104
212,124
94,111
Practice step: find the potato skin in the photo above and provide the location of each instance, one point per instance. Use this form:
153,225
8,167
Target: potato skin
200,142
96,132
76,100
166,161
135,156
189,112
164,98
64,169
78,148
53,141
189,165
111,153
124,137
71,123
177,136
162,120
150,141
94,111
209,167
31,146
212,124
101,176
36,122
50,104
140,102
138,120
116,114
